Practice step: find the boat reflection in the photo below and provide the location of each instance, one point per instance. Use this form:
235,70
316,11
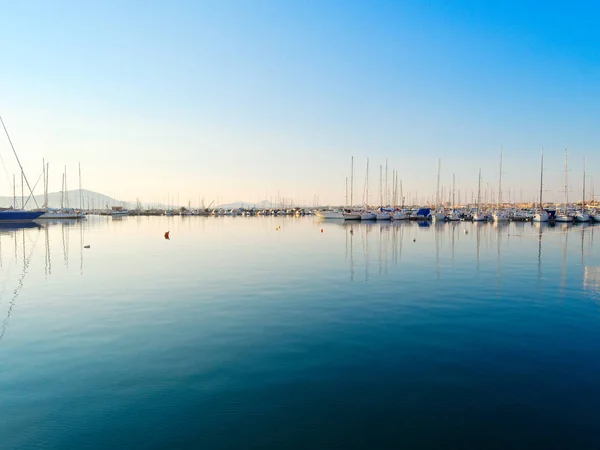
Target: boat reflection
455,243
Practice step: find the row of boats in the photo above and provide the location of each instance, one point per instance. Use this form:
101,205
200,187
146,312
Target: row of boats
474,215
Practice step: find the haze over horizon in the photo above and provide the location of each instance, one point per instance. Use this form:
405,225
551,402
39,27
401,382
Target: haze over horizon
246,101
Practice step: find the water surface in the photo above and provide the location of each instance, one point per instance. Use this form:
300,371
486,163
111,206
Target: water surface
236,333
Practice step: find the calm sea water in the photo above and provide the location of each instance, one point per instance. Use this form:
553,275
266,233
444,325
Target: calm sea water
236,334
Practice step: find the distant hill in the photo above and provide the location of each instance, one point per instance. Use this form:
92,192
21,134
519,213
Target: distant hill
92,200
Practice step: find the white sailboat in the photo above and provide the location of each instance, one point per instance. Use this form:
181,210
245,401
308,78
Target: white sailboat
382,213
564,216
500,216
366,214
350,214
438,215
542,215
453,216
583,216
478,217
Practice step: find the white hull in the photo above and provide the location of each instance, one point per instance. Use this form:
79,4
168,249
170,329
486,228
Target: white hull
438,217
453,217
500,217
329,214
384,216
541,217
54,216
351,216
582,217
368,216
400,216
479,218
563,218
596,218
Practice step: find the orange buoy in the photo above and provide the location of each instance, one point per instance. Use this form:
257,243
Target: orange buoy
321,230
167,235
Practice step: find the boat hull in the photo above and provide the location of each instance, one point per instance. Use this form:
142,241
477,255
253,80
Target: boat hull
329,215
368,216
18,216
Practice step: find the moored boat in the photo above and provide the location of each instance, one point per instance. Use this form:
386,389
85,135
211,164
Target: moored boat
18,215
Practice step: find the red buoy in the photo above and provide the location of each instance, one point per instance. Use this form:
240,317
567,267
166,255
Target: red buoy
167,235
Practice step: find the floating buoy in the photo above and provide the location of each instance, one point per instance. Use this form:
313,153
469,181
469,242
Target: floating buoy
86,246
466,232
321,230
414,240
167,235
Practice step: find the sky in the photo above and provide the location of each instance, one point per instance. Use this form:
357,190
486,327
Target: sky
252,100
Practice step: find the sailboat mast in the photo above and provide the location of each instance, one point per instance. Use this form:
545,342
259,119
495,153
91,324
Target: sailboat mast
566,184
380,185
367,187
542,181
437,192
401,196
478,191
80,194
386,183
44,172
14,193
583,200
47,178
453,191
352,182
62,193
500,182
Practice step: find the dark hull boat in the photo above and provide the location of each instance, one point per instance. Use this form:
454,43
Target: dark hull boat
18,215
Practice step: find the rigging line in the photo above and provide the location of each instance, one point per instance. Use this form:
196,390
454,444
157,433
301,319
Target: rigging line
34,186
18,161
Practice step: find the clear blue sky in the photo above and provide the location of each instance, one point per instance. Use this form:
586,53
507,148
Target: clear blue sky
245,99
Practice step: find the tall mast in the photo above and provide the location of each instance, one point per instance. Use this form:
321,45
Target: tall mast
401,196
478,190
437,192
352,182
14,193
583,201
542,181
380,185
386,183
22,192
566,183
367,187
44,172
80,194
453,191
62,193
500,182
66,192
47,178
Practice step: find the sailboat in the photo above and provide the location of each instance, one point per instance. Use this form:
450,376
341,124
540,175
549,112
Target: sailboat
366,214
401,213
453,216
500,216
564,216
478,217
582,216
12,215
382,213
542,215
349,214
438,215
65,212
